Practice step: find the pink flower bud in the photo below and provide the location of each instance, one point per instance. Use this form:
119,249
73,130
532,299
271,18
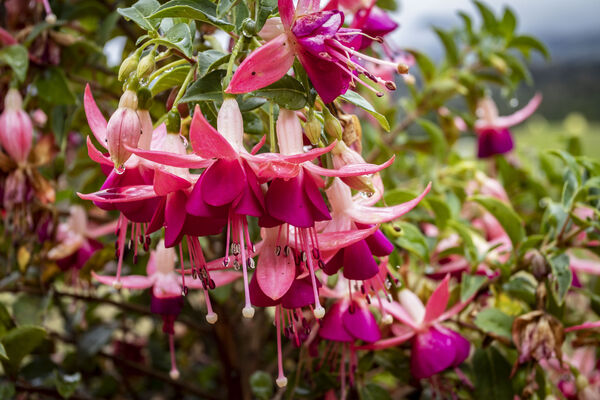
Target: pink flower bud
16,129
124,128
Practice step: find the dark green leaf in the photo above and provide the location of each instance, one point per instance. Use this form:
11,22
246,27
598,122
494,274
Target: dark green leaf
18,343
28,310
261,385
201,10
17,58
52,87
521,286
506,216
249,103
372,391
265,9
562,276
66,385
224,7
492,375
253,124
286,92
179,36
140,14
170,79
529,42
209,60
206,89
470,284
358,100
494,321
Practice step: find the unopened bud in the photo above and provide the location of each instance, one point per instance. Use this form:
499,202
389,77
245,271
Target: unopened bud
146,65
123,129
312,129
173,122
128,66
16,128
539,265
333,126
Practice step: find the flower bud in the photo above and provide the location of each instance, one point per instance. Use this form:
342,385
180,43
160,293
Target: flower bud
16,129
537,336
312,129
146,65
128,65
123,128
343,155
333,127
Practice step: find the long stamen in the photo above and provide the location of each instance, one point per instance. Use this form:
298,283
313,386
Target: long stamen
247,311
281,379
184,290
117,284
174,373
229,222
319,311
211,316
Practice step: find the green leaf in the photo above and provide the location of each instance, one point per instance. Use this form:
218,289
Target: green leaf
261,385
411,239
426,66
508,23
92,341
562,276
18,343
253,124
286,92
526,42
517,67
531,242
52,87
28,310
436,135
449,45
570,162
206,89
140,14
492,375
359,101
201,10
470,284
506,216
521,286
265,9
440,210
492,320
7,391
66,385
209,60
470,250
3,354
224,7
17,58
490,23
179,36
372,391
170,79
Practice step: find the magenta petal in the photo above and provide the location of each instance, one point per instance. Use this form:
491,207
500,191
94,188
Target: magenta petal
494,141
461,345
379,245
202,226
300,294
257,297
332,266
275,273
175,215
251,202
198,207
96,120
158,219
332,326
264,66
319,25
165,182
358,262
206,141
222,182
360,323
328,78
433,351
286,201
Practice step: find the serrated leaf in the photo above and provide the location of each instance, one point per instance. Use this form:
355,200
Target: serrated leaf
437,138
470,284
562,276
170,79
506,216
140,14
209,60
201,10
207,88
492,320
52,87
359,101
287,93
529,42
18,343
17,58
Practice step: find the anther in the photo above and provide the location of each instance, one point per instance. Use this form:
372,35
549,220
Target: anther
402,68
390,85
277,250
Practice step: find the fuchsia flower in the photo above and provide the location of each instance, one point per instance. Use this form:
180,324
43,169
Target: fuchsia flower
324,48
492,130
434,347
16,129
167,288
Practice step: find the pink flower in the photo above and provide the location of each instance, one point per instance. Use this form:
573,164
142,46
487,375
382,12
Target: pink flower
434,347
123,129
324,48
492,130
167,288
16,129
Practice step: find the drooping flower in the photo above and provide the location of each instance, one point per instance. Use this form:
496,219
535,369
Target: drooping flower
492,130
167,286
323,47
16,129
123,129
434,347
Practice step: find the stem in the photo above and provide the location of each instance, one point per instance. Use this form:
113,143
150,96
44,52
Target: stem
166,67
272,145
234,54
184,87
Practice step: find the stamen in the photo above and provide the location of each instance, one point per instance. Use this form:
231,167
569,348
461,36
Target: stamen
319,311
247,311
184,291
281,379
117,284
174,373
211,316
